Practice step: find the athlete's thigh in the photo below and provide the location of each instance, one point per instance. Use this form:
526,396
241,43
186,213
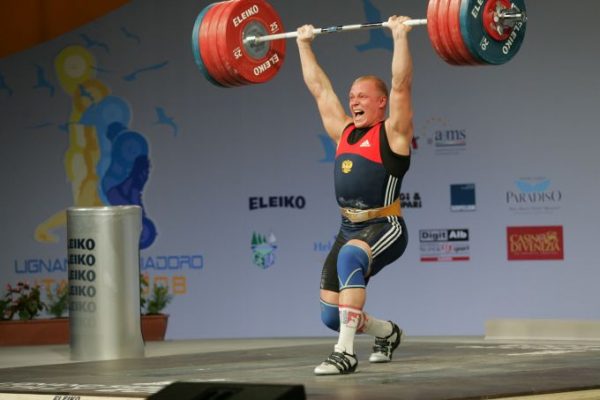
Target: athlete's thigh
387,241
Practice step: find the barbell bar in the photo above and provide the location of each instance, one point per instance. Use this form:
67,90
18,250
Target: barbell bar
330,29
241,42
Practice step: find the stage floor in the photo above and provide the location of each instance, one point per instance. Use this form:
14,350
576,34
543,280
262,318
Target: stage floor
423,368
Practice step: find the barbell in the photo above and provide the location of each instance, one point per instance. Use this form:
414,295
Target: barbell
241,42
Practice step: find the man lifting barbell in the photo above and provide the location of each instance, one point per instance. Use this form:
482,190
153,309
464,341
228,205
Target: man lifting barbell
238,42
373,154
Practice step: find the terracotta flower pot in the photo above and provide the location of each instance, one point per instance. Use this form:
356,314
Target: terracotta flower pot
154,326
56,330
34,332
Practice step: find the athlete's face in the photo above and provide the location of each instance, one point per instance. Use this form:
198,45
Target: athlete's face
367,103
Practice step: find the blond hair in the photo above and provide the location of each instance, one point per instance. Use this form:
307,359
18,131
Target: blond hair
379,83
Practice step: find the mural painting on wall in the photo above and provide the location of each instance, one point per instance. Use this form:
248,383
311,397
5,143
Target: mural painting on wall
106,162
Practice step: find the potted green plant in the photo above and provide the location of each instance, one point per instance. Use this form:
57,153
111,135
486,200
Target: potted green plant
24,302
152,303
58,300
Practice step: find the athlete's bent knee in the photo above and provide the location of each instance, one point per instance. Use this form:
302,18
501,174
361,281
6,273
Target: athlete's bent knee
352,266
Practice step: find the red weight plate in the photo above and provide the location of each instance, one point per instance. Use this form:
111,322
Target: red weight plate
219,40
205,40
215,40
196,46
252,63
443,18
220,43
433,30
456,35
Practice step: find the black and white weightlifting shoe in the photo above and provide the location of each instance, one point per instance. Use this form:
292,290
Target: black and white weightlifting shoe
384,346
338,363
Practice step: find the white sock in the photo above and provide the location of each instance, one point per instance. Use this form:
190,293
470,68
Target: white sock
350,319
376,327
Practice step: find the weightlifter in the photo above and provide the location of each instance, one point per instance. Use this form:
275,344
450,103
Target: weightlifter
372,157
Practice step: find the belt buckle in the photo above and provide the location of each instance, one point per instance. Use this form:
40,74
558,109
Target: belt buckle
356,215
354,211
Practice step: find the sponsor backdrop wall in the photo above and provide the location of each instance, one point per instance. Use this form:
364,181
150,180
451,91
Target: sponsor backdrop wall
236,184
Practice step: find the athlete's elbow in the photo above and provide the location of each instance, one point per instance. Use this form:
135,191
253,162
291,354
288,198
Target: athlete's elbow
401,84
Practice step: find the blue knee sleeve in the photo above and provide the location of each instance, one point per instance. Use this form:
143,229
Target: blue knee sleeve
330,315
352,265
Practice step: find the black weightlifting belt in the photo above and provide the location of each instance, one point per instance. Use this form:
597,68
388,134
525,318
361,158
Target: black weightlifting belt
356,215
